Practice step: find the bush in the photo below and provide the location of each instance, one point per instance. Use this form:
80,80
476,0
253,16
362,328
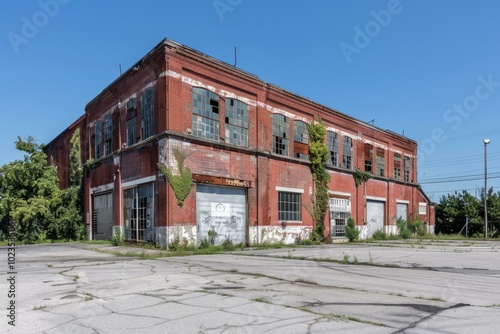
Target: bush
404,231
379,235
416,227
351,232
318,233
117,238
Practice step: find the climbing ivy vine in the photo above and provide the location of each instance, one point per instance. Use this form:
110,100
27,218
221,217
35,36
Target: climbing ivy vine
361,177
318,155
182,183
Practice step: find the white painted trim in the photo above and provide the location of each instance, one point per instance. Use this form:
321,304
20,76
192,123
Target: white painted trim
255,103
373,198
139,181
402,201
339,193
290,190
102,188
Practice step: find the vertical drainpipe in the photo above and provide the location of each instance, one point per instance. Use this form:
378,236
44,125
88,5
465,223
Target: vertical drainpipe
167,214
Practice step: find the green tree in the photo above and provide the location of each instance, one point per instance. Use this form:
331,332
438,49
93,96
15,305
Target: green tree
453,211
318,155
69,223
31,197
29,192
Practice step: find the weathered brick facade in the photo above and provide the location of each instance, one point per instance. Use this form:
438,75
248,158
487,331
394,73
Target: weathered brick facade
237,186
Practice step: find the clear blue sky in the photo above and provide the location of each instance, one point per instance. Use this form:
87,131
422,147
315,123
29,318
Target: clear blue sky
427,68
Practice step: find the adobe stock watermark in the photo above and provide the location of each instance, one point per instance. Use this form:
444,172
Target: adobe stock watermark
31,25
456,114
364,36
223,6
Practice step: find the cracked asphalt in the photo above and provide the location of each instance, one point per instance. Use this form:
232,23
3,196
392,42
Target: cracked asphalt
385,287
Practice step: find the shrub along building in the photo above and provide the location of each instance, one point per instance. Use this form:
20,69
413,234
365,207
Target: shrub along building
182,144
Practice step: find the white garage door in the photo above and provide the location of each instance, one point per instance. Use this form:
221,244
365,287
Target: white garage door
375,216
102,216
222,210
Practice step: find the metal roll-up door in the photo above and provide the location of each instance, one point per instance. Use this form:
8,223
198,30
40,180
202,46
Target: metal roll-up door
375,216
223,210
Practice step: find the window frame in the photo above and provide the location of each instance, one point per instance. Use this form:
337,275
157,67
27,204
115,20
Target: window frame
147,113
205,114
98,148
236,117
108,135
289,206
347,152
131,122
281,133
332,142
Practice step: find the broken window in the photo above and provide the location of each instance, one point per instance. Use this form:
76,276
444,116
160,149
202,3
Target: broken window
131,121
368,158
289,205
380,161
301,139
332,142
397,166
147,113
281,131
236,123
108,134
408,169
205,114
98,139
347,153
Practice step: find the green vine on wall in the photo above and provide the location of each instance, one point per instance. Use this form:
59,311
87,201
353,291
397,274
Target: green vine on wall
361,177
318,155
182,183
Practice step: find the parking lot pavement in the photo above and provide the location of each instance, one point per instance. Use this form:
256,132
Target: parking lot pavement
417,287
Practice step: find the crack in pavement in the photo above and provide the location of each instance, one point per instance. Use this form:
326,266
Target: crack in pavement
415,323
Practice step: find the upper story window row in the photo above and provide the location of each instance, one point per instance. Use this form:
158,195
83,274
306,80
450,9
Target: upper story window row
138,126
208,114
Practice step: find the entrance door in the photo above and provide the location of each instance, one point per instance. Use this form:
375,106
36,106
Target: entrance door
102,216
138,213
340,211
222,210
375,216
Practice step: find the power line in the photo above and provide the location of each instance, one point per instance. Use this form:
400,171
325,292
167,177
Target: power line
472,177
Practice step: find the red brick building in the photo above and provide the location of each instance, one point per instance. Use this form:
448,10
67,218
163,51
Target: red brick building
246,143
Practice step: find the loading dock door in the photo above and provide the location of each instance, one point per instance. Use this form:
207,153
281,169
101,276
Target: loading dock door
375,216
102,216
222,210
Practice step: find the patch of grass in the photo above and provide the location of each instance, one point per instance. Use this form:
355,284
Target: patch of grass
436,299
49,265
346,258
261,300
97,242
267,244
355,319
41,307
305,281
88,296
233,270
